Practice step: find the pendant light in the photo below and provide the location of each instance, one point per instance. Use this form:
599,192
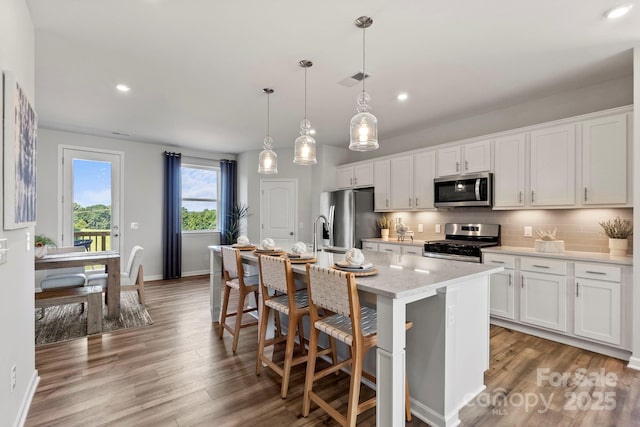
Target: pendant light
305,145
364,125
268,160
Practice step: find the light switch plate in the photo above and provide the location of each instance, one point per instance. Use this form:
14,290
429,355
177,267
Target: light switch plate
437,228
528,231
420,228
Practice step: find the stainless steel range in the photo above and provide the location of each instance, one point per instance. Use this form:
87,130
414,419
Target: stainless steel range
463,242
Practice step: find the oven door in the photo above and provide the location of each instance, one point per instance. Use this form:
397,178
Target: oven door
465,190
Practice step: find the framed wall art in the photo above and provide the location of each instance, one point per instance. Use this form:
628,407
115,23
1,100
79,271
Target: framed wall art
19,134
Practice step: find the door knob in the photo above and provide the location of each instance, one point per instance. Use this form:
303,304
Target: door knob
291,233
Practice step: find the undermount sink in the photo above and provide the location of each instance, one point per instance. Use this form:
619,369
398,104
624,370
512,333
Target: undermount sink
335,250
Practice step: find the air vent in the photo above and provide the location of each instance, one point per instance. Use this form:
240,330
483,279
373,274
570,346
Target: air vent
354,79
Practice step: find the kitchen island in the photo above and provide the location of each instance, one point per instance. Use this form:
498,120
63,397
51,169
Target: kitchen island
447,350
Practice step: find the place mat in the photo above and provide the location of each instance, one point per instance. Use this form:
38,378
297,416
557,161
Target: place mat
274,252
299,260
243,248
346,266
358,273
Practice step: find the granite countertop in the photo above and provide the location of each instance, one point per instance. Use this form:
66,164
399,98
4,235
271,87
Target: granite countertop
400,276
565,256
395,241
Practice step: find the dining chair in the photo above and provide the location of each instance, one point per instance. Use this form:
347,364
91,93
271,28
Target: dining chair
335,293
132,279
234,278
279,295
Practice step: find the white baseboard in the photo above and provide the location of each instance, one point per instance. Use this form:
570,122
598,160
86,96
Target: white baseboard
28,398
195,273
634,363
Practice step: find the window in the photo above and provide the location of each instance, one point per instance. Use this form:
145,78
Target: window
200,185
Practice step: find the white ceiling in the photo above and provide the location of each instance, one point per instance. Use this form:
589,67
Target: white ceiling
197,67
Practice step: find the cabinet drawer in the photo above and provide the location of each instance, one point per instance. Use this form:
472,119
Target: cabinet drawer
543,265
386,247
411,250
599,272
506,261
368,246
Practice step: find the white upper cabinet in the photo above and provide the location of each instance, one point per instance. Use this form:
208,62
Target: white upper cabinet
381,185
473,157
604,161
402,183
360,175
553,166
509,171
424,171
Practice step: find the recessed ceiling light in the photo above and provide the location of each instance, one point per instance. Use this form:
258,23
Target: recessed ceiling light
618,11
403,96
123,88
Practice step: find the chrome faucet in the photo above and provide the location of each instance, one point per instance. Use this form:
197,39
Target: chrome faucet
315,231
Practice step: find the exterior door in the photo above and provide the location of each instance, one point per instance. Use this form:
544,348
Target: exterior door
90,200
279,211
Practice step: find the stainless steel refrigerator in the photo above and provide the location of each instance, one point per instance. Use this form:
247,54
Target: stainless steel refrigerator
351,217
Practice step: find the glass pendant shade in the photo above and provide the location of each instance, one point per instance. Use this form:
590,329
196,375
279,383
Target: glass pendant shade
268,159
305,146
364,127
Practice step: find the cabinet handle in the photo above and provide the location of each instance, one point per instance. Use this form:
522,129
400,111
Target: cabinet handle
540,266
519,196
577,289
387,202
355,181
457,166
350,181
510,279
533,196
596,272
416,202
389,250
466,165
497,262
585,194
522,281
409,201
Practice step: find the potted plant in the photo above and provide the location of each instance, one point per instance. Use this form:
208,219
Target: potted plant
383,224
41,243
232,222
618,231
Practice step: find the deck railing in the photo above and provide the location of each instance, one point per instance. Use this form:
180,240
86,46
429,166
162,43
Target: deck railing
92,240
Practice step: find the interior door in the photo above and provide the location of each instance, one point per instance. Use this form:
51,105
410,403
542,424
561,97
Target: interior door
279,211
91,203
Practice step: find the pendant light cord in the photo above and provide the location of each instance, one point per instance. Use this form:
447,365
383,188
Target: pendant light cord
305,93
364,74
268,118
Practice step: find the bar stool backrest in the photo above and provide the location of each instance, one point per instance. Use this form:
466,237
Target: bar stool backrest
274,273
331,289
230,261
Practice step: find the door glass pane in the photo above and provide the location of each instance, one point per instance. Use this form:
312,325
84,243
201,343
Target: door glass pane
92,211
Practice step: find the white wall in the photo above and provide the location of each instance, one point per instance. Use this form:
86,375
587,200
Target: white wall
311,181
143,196
610,94
17,275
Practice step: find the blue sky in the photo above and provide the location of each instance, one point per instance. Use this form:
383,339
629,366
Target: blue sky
199,184
92,182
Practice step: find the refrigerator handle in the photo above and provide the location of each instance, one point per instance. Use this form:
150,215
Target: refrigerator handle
332,210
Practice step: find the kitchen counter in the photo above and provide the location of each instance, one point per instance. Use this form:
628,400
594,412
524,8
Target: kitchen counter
448,303
566,255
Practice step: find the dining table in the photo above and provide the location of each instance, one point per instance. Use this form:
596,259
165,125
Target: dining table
111,261
446,352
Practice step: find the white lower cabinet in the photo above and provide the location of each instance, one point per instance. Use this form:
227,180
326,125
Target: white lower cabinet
369,246
501,287
543,300
389,247
411,250
598,311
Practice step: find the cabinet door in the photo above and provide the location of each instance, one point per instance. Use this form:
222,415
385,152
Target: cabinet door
501,294
424,172
477,157
509,171
344,177
449,161
363,175
604,160
543,300
369,246
381,184
553,166
411,250
598,310
402,183
389,247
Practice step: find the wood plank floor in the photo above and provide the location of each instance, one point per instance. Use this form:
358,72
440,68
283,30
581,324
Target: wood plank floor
177,372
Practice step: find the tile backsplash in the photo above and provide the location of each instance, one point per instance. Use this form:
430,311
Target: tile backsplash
579,228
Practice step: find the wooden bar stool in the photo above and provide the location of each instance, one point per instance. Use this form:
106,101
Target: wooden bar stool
276,276
234,278
335,292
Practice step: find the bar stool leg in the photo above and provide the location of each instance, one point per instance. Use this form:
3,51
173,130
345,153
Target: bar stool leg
311,370
354,387
264,319
239,314
225,307
288,356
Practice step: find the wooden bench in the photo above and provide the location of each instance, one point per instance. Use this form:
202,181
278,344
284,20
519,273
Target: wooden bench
91,295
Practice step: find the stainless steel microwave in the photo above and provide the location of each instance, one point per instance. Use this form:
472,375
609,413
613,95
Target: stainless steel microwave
464,190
